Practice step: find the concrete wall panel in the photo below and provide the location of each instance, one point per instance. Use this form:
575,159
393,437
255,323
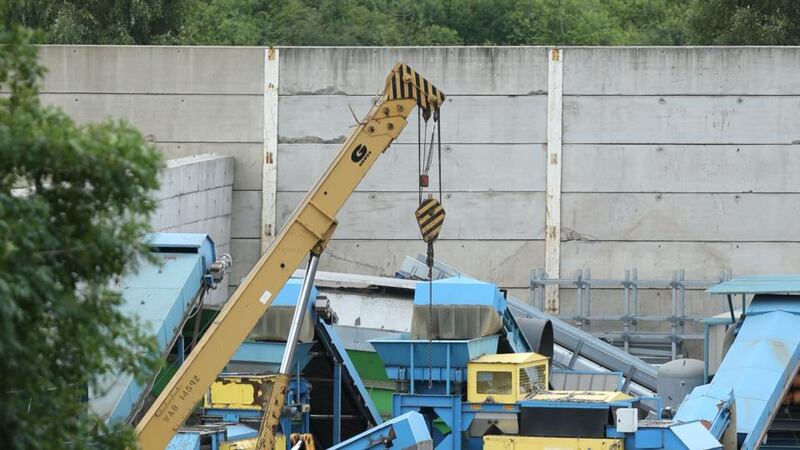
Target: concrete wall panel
478,215
680,217
465,167
247,221
681,120
195,197
681,168
469,119
504,262
682,71
152,69
245,253
172,118
455,70
657,260
247,158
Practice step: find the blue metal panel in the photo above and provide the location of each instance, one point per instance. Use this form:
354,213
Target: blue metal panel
290,292
758,284
238,432
693,436
410,432
648,438
270,353
710,403
398,352
159,296
763,303
461,291
761,361
198,243
185,441
448,408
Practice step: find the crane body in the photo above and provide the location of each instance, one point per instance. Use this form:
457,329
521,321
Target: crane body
306,232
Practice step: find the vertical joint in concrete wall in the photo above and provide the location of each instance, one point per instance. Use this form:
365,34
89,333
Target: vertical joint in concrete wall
552,244
269,161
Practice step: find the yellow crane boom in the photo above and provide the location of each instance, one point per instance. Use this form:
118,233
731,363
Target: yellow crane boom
307,231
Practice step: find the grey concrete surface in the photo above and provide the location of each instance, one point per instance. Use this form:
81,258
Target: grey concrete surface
196,197
672,158
456,70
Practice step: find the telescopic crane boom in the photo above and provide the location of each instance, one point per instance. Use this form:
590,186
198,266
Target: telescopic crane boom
307,231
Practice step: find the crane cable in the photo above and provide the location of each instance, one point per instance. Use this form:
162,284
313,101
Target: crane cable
430,213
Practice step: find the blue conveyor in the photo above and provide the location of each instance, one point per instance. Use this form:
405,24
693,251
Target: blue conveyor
159,295
762,361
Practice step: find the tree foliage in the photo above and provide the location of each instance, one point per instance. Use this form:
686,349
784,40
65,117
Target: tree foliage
97,21
74,204
412,22
432,22
745,22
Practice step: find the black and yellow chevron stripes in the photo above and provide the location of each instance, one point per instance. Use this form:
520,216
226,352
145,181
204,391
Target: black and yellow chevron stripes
430,216
406,83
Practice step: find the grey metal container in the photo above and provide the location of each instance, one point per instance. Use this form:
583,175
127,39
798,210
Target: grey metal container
677,378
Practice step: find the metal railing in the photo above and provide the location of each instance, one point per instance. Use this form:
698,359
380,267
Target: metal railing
630,285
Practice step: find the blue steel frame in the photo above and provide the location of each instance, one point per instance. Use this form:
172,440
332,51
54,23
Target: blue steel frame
408,431
454,413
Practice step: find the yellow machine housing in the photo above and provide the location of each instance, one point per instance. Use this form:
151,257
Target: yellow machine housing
548,443
580,396
239,392
506,378
250,444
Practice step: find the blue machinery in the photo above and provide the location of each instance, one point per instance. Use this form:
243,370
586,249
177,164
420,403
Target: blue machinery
734,410
160,295
340,404
163,295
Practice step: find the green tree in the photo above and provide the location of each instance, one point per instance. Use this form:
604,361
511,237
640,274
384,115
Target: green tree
744,22
74,204
96,21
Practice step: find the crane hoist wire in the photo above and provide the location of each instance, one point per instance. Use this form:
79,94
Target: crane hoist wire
430,214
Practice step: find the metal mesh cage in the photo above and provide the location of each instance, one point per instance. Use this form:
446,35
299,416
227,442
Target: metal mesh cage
498,383
532,379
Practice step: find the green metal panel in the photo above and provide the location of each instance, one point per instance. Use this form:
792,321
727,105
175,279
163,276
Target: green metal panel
370,367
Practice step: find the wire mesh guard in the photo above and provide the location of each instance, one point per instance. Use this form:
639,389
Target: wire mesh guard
494,382
532,379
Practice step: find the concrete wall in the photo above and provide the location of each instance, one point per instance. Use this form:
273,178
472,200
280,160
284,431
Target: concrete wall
672,157
187,100
196,197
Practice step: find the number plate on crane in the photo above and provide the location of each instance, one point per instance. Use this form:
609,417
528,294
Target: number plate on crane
430,216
